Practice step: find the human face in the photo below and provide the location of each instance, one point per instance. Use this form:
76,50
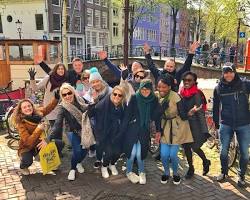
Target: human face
163,88
67,96
97,85
60,70
229,76
77,66
169,65
188,81
27,108
135,66
116,97
85,79
145,92
139,76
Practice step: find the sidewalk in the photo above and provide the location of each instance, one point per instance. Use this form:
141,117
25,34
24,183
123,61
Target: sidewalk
91,186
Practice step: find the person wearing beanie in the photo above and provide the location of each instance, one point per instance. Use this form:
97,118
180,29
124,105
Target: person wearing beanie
172,136
99,89
231,114
142,108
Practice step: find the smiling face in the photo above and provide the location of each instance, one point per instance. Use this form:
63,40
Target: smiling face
188,81
116,97
60,70
145,92
77,66
169,65
139,76
67,96
163,88
27,108
97,85
229,76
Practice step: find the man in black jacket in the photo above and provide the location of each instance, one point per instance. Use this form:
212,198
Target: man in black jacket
231,114
169,66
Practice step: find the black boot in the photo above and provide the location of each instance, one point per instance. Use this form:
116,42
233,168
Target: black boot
190,172
206,165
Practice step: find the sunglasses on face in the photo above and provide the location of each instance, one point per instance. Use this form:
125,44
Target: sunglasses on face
116,94
187,80
68,93
85,78
140,77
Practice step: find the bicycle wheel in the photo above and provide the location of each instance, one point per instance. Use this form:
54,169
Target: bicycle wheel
11,127
153,146
211,141
232,152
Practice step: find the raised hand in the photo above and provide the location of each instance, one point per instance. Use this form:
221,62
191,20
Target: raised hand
38,59
193,47
123,67
102,54
32,73
146,48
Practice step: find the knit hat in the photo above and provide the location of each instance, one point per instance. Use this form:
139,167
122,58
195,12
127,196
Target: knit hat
94,74
228,67
146,83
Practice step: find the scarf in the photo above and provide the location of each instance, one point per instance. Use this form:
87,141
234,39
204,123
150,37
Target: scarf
56,81
187,93
34,118
144,105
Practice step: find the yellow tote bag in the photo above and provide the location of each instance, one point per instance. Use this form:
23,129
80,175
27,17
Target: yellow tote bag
49,158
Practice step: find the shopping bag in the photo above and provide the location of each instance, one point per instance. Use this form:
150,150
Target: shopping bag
49,158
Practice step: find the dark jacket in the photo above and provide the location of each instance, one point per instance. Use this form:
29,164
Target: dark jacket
72,76
232,100
71,122
177,74
131,131
108,120
197,122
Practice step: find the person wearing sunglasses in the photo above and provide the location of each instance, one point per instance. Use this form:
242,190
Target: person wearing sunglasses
231,115
109,114
71,110
170,65
83,87
195,107
135,129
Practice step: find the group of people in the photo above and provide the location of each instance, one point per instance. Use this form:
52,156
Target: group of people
121,117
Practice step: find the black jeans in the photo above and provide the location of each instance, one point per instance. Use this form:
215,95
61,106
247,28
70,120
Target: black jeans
27,157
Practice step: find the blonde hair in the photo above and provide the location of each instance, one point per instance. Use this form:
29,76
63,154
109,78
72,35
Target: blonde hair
121,89
85,72
68,87
17,116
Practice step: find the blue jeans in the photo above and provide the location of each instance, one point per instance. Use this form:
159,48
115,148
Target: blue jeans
136,152
78,153
168,152
243,136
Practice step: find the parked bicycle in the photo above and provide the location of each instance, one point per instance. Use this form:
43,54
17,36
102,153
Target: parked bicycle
7,108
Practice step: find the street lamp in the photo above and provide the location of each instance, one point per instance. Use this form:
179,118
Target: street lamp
240,17
19,28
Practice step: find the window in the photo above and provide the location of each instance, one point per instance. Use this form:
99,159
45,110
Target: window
39,21
88,37
97,2
21,52
56,22
97,18
115,29
78,5
68,2
56,38
1,25
77,24
104,20
56,2
53,53
2,52
89,17
115,12
89,1
79,47
94,39
68,23
104,3
102,39
72,42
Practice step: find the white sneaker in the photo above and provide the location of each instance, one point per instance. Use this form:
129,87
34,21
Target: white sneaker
142,178
113,170
92,154
25,171
80,168
72,175
105,173
133,177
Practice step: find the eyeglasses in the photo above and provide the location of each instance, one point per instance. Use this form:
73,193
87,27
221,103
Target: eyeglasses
116,94
68,93
85,78
140,77
187,80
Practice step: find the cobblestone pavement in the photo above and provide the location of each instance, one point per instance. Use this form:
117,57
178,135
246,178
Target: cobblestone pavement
91,186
